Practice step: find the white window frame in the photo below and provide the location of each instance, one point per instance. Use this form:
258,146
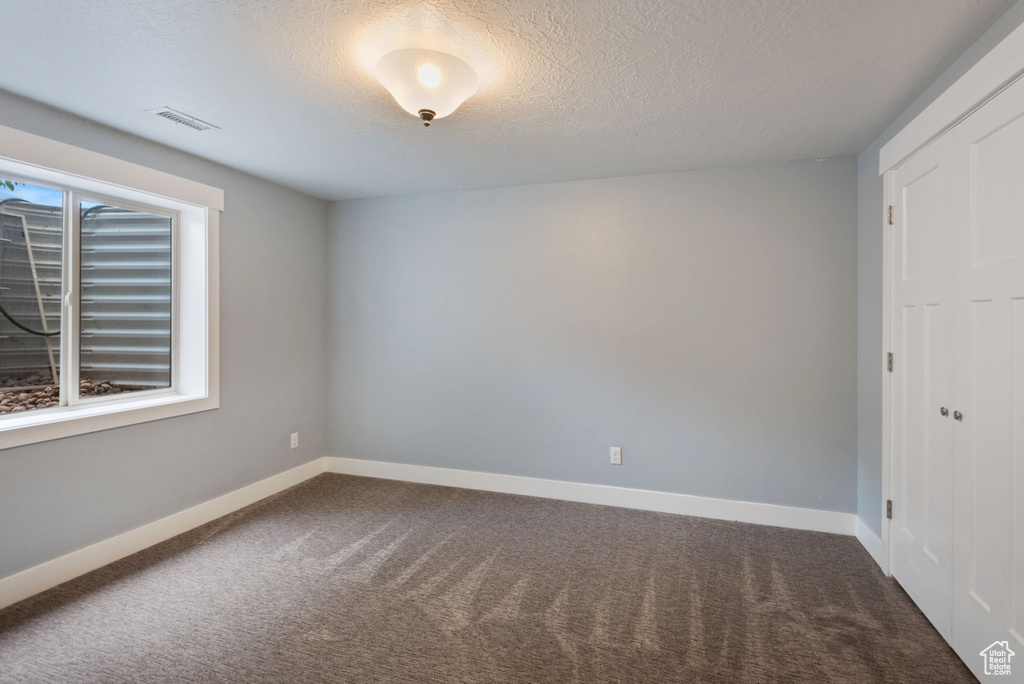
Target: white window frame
195,332
72,324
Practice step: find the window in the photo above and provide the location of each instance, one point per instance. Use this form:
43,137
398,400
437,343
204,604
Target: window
107,293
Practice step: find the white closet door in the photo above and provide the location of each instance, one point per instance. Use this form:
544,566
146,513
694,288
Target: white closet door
988,573
922,440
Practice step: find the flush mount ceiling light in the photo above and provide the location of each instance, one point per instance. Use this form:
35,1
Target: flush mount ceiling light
427,84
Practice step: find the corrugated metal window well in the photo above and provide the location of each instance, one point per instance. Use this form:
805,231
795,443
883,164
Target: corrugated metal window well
86,288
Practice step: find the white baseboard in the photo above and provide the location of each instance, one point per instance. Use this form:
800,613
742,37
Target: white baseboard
874,544
664,502
28,582
47,575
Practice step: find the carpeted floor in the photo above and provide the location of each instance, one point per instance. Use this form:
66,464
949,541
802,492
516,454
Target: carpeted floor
347,579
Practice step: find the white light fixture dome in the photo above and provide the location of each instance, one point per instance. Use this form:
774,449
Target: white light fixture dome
427,84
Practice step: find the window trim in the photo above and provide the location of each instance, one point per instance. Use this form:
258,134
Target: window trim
197,312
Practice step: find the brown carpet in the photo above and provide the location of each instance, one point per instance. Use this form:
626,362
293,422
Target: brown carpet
347,579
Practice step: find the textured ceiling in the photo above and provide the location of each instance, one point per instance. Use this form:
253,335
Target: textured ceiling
570,88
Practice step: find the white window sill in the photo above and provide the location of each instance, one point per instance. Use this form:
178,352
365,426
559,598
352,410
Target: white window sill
56,423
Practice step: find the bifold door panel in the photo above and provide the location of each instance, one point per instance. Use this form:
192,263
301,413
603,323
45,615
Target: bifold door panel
957,305
988,570
922,527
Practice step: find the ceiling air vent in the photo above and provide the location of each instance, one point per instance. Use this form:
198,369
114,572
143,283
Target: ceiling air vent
183,118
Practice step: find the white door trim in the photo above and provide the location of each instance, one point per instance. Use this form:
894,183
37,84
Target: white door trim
993,73
887,311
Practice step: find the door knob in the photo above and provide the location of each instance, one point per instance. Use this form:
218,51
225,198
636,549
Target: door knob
957,415
944,411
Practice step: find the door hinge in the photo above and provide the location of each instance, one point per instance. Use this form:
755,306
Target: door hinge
892,211
889,361
888,509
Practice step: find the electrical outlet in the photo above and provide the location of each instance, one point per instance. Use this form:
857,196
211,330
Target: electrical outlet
616,455
295,440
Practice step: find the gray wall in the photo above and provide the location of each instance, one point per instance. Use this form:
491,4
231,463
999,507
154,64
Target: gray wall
704,321
870,346
59,496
